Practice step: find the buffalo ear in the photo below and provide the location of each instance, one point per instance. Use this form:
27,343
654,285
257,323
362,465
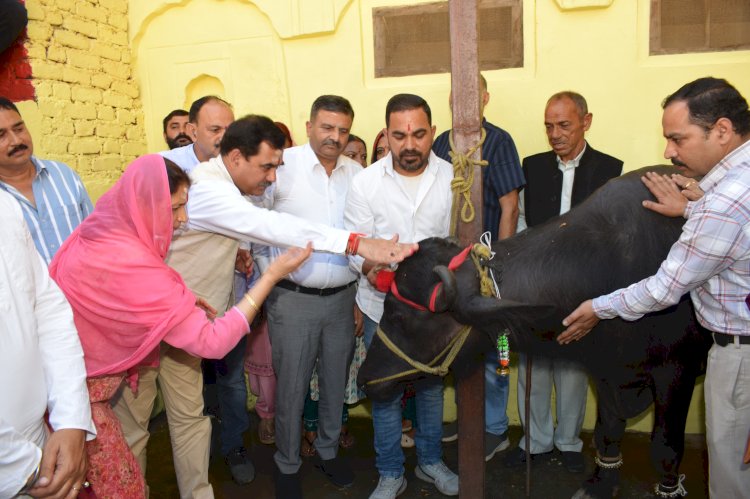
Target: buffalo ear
502,313
445,294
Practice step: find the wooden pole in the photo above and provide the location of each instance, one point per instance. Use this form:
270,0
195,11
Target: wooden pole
466,134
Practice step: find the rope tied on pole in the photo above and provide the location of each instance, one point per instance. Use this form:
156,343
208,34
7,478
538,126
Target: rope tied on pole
463,178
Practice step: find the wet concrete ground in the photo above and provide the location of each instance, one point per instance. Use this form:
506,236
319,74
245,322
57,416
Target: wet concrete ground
550,480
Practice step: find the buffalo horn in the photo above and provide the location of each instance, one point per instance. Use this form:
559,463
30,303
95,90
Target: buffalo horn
446,295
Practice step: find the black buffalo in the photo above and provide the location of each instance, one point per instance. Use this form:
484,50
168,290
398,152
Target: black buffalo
543,273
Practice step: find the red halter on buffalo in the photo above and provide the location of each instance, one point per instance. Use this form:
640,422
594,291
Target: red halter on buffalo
385,280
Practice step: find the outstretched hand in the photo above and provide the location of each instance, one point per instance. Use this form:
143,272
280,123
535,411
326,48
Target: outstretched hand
63,467
289,261
385,251
578,323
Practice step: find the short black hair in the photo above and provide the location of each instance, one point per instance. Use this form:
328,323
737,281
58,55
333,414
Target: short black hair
6,103
176,112
196,106
332,103
176,176
406,102
247,134
709,99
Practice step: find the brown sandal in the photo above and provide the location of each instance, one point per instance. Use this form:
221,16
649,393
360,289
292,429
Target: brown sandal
307,448
346,439
266,431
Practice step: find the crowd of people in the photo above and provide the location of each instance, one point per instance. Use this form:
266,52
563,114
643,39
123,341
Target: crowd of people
237,253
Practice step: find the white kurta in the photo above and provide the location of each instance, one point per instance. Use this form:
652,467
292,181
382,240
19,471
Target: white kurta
41,360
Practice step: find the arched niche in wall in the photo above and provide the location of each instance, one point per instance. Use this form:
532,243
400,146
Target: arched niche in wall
231,42
203,85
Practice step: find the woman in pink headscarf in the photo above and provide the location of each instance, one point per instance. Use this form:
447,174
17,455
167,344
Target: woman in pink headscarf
126,300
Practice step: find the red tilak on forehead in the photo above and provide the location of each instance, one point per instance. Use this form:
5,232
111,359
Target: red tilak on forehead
408,127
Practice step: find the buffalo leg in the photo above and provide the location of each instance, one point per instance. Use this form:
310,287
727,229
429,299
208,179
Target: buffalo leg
672,393
608,433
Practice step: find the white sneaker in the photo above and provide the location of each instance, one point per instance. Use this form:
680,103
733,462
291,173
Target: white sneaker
389,488
444,479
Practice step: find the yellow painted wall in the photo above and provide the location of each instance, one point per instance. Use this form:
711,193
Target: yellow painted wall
275,57
87,112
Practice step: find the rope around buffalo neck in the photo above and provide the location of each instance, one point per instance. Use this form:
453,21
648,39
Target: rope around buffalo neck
452,349
463,178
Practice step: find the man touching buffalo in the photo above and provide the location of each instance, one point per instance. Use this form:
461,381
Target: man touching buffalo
557,181
406,192
707,127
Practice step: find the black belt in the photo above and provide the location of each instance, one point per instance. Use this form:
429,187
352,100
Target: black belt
723,339
313,291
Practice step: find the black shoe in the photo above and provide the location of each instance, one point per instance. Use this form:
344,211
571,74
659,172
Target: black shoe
517,457
288,486
494,444
573,461
450,432
242,469
337,471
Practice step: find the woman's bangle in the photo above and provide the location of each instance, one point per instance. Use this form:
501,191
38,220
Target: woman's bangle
252,302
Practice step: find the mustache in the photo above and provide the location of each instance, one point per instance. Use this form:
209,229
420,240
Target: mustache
677,162
182,136
410,152
19,147
331,142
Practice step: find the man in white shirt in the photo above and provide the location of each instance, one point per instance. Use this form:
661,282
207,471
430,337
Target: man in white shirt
208,119
407,192
220,216
556,181
310,314
41,365
179,372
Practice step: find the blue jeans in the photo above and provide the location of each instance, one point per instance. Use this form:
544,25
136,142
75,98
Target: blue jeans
386,419
230,387
495,397
232,394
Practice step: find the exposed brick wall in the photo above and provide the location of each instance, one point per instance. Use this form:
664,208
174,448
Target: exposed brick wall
92,117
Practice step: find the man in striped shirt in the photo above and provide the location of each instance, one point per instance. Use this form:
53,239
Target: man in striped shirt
707,127
501,181
52,197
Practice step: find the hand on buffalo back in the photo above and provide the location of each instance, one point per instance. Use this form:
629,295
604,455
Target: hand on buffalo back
579,323
672,193
690,187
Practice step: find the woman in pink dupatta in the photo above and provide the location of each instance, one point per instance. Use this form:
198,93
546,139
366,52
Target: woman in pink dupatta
126,300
